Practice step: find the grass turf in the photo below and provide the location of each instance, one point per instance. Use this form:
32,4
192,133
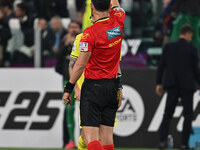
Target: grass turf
76,149
71,149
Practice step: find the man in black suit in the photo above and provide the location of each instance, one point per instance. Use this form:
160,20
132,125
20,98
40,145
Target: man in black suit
179,64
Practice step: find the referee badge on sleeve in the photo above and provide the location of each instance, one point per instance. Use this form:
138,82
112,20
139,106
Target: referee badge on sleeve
119,9
83,47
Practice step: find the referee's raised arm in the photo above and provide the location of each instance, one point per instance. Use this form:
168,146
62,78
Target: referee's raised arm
115,3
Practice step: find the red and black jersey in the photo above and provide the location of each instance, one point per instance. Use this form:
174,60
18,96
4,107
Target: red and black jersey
104,40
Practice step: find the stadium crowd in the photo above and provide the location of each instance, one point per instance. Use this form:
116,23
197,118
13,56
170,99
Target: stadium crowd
161,22
17,38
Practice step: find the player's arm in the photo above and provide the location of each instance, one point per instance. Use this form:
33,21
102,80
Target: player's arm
86,47
76,88
79,67
115,3
71,65
75,53
117,13
77,71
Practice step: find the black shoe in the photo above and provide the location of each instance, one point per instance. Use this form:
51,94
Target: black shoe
186,147
162,145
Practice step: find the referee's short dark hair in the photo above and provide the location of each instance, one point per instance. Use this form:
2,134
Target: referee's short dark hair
101,5
186,28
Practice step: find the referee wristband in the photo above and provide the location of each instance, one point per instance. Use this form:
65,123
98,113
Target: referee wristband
69,87
119,81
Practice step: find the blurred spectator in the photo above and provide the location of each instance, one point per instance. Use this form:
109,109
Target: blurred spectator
142,13
42,24
59,32
22,13
185,6
187,13
21,45
166,3
63,58
5,14
26,22
127,5
51,40
71,6
47,40
15,3
164,26
65,48
49,8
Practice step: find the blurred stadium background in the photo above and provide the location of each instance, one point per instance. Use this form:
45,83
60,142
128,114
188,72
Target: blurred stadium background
34,38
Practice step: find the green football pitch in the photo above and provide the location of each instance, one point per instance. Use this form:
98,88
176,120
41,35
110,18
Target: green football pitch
75,149
71,149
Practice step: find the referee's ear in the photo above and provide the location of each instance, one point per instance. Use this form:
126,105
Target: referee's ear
92,7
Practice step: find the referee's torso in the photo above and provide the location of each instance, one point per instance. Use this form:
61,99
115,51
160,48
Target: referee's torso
104,40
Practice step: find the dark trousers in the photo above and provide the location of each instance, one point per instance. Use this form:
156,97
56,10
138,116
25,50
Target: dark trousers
187,101
65,130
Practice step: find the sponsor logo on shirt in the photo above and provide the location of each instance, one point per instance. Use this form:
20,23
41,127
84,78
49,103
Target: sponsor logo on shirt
115,43
84,36
83,47
113,33
118,14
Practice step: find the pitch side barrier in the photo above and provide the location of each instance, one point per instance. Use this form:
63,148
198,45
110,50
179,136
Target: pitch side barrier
31,110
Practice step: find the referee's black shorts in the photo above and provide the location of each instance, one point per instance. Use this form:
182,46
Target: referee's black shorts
99,102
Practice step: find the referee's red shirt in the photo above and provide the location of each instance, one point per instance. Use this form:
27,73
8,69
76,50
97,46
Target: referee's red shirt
104,40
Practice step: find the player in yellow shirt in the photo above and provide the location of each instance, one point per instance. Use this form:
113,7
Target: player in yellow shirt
86,16
73,57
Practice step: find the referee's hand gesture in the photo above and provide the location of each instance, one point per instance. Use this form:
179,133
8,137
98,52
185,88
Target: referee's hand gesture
67,98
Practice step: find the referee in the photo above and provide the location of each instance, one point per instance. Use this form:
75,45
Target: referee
100,48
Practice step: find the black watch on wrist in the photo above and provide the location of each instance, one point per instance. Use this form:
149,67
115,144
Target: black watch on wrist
119,80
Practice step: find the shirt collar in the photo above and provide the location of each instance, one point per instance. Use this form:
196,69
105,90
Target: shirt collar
101,19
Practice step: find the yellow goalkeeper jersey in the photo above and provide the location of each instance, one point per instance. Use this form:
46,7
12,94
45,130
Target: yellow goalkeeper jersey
86,17
75,54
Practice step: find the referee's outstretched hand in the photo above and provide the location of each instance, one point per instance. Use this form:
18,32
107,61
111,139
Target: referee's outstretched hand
67,98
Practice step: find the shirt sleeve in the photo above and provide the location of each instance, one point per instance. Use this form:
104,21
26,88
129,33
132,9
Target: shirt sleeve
87,41
118,13
75,50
